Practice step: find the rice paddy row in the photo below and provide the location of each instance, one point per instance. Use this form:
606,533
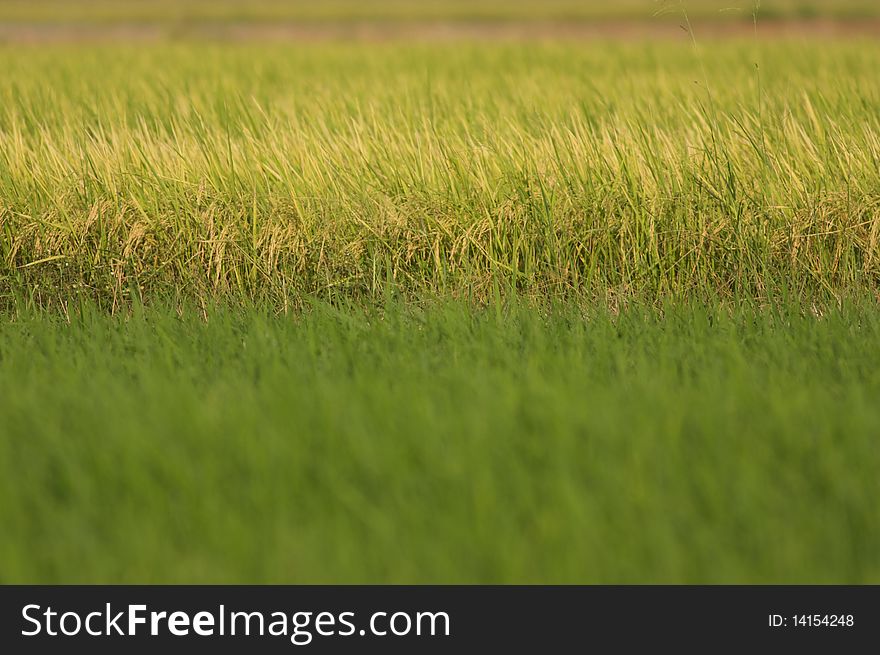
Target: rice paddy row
279,173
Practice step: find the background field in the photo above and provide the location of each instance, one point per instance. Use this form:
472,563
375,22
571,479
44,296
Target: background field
170,11
580,304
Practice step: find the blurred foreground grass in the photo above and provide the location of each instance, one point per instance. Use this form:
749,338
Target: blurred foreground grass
442,444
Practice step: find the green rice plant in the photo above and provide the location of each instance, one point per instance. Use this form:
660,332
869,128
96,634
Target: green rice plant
276,173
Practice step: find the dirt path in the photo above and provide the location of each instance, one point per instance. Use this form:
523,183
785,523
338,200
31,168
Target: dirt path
436,31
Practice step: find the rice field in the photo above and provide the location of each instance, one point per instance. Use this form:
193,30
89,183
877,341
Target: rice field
492,307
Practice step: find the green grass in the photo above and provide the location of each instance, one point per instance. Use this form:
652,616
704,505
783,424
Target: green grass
273,173
104,12
442,444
